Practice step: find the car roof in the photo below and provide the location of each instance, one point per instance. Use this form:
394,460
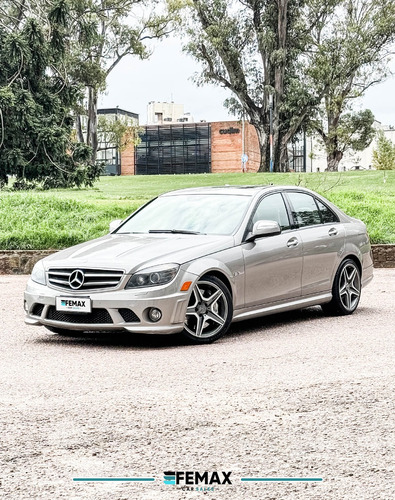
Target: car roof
248,190
228,189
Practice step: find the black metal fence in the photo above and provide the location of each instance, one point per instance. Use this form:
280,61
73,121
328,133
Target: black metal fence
297,153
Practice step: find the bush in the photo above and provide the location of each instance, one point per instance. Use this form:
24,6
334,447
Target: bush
384,155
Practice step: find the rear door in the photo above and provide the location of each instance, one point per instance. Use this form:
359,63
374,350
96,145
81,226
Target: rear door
273,264
322,237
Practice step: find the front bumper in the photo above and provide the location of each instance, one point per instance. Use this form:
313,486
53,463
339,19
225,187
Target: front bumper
108,309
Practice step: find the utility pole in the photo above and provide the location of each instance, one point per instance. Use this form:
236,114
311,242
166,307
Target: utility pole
244,155
271,130
242,144
117,152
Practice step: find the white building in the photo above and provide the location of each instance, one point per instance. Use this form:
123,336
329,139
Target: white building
160,113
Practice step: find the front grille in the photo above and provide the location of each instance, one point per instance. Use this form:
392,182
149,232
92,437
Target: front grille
97,316
128,316
37,309
93,279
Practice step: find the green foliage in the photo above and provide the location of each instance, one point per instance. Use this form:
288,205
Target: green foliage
349,56
384,154
352,131
120,131
35,221
312,56
100,34
51,55
256,50
356,130
35,111
62,217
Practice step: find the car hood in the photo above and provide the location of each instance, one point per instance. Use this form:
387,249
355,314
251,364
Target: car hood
130,252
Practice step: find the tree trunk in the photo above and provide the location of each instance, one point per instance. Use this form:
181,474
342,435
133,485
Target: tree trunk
283,154
78,127
280,151
91,138
333,159
263,145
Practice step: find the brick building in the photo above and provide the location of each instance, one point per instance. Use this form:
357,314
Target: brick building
192,148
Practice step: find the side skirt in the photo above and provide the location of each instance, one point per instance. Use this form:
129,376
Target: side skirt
283,307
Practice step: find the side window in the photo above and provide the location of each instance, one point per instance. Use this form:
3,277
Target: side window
304,209
272,207
326,213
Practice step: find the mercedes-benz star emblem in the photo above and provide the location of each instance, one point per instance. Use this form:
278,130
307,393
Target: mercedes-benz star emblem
76,279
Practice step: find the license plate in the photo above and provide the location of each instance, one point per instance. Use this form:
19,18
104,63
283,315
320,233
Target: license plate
74,304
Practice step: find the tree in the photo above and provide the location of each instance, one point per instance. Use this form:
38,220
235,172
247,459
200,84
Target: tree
313,56
120,132
384,154
100,34
349,56
352,131
35,104
257,49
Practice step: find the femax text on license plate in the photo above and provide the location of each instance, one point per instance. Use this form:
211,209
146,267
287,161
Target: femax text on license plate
73,304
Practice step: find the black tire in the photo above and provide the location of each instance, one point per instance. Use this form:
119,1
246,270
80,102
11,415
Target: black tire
209,312
346,290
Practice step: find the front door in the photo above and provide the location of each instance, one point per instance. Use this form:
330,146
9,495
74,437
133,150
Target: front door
273,264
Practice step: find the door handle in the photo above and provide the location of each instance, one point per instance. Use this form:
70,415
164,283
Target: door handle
332,231
293,242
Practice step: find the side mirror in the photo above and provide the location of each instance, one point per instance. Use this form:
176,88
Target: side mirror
264,228
114,224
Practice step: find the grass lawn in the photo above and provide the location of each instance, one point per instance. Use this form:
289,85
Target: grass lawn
59,218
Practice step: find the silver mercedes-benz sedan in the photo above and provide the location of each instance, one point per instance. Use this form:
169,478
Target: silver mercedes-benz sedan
194,260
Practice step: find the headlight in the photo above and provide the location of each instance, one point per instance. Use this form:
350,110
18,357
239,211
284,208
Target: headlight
153,276
38,273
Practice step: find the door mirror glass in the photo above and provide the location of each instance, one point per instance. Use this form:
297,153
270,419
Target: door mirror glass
114,224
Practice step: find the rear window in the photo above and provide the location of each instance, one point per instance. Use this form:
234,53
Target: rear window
304,209
326,213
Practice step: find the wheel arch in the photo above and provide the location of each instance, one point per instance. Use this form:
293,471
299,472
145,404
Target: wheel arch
337,306
345,257
221,276
213,267
355,259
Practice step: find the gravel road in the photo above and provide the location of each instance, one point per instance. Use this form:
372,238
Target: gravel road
294,395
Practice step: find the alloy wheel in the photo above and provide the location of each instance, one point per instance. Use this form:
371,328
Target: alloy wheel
208,310
349,286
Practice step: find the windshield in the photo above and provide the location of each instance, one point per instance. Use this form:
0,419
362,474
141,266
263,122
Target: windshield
190,214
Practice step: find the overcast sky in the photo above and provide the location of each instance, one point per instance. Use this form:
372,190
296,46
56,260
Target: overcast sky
166,76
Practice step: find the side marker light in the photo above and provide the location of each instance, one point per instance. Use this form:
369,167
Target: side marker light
185,286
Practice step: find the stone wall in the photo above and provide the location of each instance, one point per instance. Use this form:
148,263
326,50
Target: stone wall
383,255
22,261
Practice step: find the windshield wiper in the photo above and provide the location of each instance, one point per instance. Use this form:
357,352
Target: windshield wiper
174,231
129,232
